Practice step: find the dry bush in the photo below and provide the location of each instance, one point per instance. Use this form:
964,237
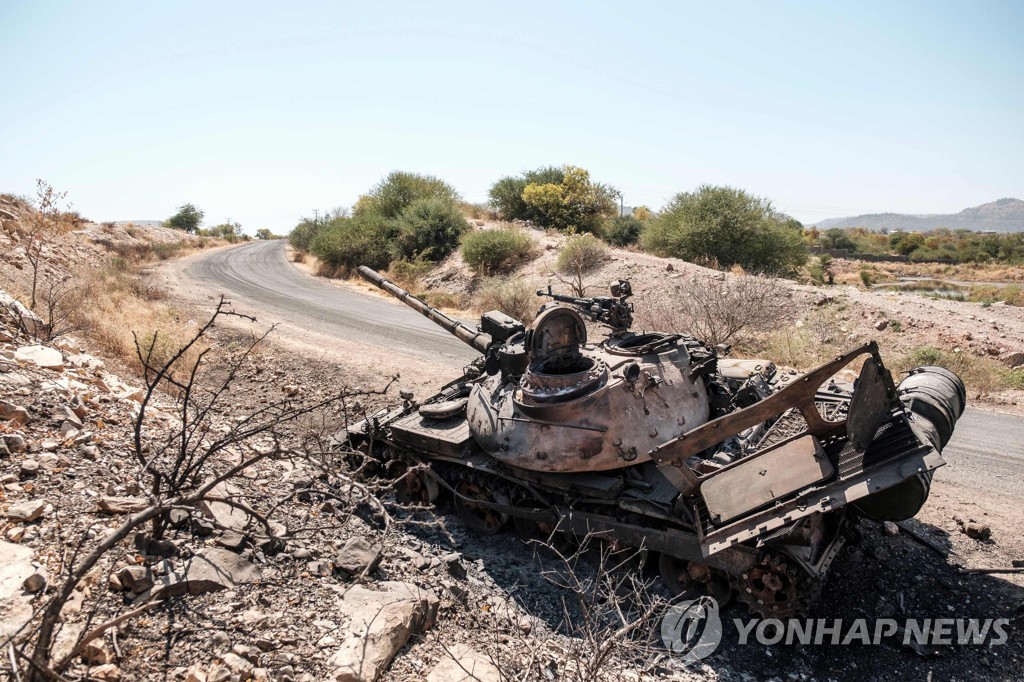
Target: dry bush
610,617
510,295
122,302
580,254
408,273
717,308
981,374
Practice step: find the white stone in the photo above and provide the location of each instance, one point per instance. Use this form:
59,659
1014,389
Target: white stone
47,358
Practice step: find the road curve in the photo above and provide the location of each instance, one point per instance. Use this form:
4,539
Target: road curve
259,275
986,452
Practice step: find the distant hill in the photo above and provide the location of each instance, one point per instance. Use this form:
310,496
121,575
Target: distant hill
1004,215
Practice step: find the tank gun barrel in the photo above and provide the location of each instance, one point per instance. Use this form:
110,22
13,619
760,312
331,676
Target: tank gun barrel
471,337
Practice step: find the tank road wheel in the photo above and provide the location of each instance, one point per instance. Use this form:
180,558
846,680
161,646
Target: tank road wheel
776,587
676,576
481,519
415,487
692,578
542,533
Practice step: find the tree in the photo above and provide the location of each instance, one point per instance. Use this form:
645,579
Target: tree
398,190
49,220
575,203
264,233
188,218
506,195
429,228
727,226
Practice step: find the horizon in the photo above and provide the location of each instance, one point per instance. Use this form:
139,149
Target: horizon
261,114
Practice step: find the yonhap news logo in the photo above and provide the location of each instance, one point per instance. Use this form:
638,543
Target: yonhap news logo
693,630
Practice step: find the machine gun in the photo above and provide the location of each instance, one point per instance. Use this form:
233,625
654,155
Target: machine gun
614,311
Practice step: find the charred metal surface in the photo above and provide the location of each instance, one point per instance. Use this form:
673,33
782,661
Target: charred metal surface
743,479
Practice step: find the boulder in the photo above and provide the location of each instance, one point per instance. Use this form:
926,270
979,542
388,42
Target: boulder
464,664
41,356
211,570
15,568
357,556
381,622
29,510
135,578
1013,359
14,442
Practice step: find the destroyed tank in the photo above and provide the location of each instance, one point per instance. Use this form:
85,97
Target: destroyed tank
742,480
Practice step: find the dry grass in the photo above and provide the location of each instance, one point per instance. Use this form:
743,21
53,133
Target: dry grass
123,305
510,295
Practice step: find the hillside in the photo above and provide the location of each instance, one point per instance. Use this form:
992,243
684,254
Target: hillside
1004,215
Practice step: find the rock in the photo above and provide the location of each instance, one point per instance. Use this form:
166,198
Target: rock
29,510
302,554
890,528
96,652
14,442
978,531
209,571
381,623
237,664
15,533
881,325
15,568
121,505
1012,359
89,452
135,578
195,674
456,568
464,664
291,390
357,556
35,582
29,467
418,561
105,673
224,515
220,640
41,356
13,413
670,268
236,542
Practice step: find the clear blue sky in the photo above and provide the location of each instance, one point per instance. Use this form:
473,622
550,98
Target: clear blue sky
262,112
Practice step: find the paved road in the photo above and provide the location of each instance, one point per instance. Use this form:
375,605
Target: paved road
260,275
985,454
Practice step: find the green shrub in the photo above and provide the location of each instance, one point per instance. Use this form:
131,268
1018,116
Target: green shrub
506,195
576,203
624,231
728,226
166,250
581,253
395,193
867,277
347,243
490,252
408,273
428,228
510,295
305,233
